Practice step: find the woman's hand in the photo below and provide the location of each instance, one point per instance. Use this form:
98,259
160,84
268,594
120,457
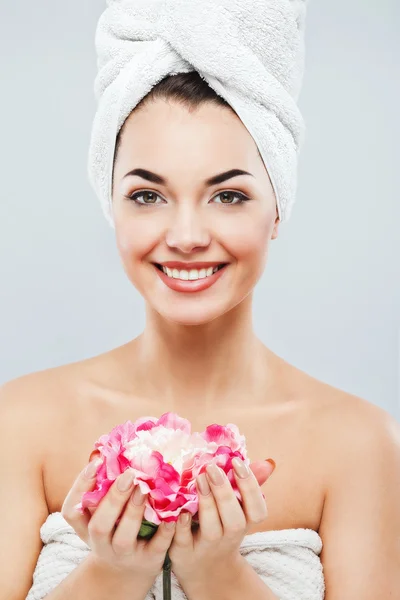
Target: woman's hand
212,551
116,547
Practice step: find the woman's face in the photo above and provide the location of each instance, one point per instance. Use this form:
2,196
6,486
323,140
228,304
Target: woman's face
180,217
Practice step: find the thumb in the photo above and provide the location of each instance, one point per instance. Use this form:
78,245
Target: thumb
262,469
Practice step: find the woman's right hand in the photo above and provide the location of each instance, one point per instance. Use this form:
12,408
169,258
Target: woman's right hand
117,548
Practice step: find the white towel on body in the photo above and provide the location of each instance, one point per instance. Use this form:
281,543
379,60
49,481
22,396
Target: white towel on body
251,52
287,561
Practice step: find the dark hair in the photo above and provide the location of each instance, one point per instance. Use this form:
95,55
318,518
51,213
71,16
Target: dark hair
188,89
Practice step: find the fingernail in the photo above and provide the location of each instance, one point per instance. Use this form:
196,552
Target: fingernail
91,469
271,461
169,524
184,518
215,474
125,481
202,484
241,469
138,496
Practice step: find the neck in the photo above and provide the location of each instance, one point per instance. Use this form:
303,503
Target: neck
211,366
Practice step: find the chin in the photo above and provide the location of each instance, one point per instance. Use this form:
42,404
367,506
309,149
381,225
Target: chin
193,315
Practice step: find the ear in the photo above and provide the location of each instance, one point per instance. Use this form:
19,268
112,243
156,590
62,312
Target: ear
276,226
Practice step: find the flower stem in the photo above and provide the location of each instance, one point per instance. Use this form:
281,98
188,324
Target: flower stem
167,578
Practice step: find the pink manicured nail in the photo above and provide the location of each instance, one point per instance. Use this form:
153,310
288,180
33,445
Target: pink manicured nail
241,469
125,481
272,462
184,518
92,467
138,496
202,484
215,474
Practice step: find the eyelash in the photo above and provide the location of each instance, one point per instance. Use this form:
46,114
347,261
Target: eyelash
239,195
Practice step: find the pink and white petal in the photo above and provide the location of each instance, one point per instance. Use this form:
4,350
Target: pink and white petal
150,514
92,498
145,423
173,421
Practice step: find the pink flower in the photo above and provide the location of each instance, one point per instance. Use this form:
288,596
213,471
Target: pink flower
165,458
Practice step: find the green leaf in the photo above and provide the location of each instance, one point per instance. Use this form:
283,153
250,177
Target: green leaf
147,530
149,523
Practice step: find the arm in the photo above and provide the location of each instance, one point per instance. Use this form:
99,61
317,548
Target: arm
241,582
23,506
91,581
360,525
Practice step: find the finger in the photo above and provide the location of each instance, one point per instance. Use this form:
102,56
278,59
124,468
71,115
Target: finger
124,540
253,501
101,525
161,540
85,482
230,512
262,470
211,528
183,533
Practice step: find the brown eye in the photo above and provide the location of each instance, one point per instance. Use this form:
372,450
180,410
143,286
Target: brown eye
149,197
226,197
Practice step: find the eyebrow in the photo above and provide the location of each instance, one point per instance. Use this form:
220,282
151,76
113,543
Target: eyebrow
215,180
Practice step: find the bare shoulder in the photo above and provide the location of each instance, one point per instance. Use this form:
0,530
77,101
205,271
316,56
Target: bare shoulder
28,395
351,421
42,401
338,427
32,392
349,427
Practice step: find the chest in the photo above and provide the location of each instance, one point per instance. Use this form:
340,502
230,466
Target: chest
293,493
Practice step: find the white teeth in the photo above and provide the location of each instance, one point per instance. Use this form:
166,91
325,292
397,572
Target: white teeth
191,275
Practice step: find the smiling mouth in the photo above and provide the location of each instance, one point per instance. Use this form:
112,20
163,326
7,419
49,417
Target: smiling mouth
189,274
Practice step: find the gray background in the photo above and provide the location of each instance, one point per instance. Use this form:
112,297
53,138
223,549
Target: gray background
329,300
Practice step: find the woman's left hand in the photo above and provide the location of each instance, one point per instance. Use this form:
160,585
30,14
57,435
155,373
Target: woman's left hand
214,548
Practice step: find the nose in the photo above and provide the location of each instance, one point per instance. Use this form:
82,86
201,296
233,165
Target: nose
187,232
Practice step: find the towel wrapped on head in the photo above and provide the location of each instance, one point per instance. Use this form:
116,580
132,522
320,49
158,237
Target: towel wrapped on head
251,52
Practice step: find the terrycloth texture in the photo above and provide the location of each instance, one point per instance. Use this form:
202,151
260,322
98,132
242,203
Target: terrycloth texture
251,52
287,560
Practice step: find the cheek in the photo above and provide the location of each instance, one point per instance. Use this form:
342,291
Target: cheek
135,239
247,237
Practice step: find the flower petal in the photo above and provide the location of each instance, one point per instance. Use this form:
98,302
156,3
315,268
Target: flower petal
173,421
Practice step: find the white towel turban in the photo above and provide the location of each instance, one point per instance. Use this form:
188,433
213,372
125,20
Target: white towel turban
251,52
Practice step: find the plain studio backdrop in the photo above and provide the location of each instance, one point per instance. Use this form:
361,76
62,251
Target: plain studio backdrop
329,300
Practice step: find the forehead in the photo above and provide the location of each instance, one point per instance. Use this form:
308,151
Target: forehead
167,131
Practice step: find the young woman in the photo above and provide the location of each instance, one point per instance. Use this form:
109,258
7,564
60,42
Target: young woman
195,214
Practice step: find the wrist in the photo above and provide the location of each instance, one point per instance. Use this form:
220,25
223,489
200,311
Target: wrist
127,579
207,583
